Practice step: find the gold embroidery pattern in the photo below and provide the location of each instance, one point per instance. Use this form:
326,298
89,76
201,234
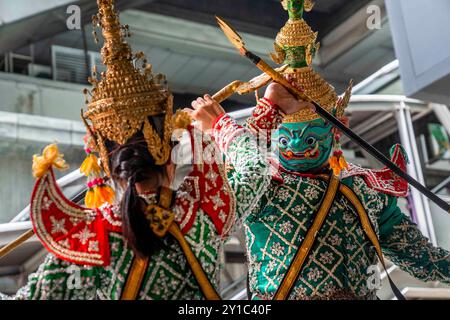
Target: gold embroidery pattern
340,253
46,187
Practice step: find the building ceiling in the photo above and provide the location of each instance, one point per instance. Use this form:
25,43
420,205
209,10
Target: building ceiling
181,38
262,17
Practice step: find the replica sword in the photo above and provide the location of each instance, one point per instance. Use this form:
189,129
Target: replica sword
237,41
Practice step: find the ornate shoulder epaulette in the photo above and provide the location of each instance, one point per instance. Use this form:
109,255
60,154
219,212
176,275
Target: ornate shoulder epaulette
384,180
71,232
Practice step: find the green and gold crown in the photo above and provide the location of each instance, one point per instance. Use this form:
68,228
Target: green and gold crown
296,45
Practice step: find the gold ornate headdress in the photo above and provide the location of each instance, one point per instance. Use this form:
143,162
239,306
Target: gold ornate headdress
296,46
125,95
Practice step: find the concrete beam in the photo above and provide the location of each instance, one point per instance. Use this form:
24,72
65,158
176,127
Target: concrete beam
12,11
49,19
16,127
165,31
352,31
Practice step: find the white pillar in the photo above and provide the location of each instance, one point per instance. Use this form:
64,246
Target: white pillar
408,140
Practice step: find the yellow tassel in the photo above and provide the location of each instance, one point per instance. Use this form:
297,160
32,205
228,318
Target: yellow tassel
333,162
90,165
98,196
105,194
50,157
335,165
97,200
343,163
89,199
336,171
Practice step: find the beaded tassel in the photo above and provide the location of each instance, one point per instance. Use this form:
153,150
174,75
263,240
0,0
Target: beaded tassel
98,192
337,160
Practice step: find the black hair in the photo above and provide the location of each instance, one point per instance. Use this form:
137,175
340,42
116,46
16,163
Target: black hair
132,163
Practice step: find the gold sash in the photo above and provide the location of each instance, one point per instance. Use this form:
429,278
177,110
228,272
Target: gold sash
139,266
301,255
297,263
295,268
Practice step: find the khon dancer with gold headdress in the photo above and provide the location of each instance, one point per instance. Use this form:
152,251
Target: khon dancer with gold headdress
147,231
321,224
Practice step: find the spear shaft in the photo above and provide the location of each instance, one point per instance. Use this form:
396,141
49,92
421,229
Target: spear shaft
236,40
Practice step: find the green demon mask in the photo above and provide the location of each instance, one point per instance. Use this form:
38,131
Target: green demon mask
303,146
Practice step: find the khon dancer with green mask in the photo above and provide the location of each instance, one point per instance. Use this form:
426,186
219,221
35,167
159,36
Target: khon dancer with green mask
320,224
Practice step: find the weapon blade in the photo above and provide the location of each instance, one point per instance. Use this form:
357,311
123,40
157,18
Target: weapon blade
232,35
237,41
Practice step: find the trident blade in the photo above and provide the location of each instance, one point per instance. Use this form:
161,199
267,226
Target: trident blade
232,35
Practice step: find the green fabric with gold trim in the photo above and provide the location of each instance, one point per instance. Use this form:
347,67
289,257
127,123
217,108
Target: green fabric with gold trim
168,275
342,256
340,259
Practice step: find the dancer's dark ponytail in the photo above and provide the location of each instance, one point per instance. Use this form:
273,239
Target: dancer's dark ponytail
133,163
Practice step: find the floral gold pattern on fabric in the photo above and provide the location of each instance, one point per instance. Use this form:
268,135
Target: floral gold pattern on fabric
159,218
303,251
281,213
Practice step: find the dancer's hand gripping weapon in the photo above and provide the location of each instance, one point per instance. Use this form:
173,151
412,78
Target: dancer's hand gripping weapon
237,41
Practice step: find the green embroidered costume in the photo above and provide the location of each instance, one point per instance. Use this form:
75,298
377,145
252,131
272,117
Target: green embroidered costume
205,209
306,148
338,263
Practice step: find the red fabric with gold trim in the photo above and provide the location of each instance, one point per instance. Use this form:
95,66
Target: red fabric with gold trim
206,187
111,217
80,235
384,180
71,232
266,117
188,198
